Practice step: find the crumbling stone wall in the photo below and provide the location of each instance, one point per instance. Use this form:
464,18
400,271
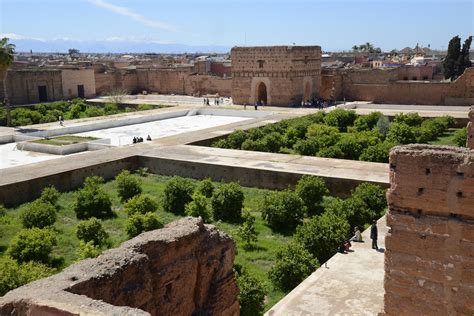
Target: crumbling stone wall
429,256
382,86
183,269
470,129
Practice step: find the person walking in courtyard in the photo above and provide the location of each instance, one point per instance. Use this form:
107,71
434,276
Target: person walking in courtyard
374,235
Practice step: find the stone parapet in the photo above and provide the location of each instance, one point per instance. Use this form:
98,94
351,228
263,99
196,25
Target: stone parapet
183,269
429,255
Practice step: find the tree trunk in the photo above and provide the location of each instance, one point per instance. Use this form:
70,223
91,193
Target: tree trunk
6,102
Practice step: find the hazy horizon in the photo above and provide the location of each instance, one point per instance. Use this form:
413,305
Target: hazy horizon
211,25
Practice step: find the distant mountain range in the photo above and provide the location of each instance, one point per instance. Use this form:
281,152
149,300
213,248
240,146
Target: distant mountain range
112,46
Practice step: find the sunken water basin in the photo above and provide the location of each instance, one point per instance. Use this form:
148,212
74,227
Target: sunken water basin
115,132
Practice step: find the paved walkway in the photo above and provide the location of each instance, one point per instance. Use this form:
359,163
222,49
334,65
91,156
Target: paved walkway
350,284
323,167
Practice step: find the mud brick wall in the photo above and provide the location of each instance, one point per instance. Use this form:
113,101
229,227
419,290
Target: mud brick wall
429,256
182,269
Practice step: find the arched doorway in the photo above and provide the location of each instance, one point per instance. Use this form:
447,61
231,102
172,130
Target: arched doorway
262,93
307,92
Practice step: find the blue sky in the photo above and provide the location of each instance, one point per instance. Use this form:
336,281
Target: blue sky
333,24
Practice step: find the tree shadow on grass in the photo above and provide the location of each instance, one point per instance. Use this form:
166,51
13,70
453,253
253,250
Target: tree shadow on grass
3,249
250,248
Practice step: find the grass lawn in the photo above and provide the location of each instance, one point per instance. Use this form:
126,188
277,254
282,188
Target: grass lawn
257,261
446,139
65,140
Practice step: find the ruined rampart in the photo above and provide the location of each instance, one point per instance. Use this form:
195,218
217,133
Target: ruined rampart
182,269
429,256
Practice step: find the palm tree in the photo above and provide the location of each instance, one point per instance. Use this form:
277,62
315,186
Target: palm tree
7,50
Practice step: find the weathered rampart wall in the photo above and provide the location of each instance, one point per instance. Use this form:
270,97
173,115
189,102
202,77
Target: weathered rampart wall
429,256
182,269
382,86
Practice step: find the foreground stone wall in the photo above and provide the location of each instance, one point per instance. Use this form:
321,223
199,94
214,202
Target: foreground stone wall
182,269
429,256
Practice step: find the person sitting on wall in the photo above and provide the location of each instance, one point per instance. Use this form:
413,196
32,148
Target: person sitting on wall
148,138
347,246
357,235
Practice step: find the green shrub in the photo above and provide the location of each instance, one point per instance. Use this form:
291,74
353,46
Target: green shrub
235,139
88,250
325,136
92,200
350,146
251,292
294,133
293,264
353,210
306,147
139,223
92,230
373,196
141,204
273,142
460,137
322,235
227,202
3,210
32,244
283,211
254,145
247,231
410,119
401,133
178,192
13,274
367,122
111,108
311,190
93,111
340,118
50,195
128,185
331,152
377,153
205,187
145,107
199,207
38,214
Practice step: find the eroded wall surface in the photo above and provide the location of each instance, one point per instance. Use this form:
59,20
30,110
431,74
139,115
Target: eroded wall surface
289,73
383,86
182,269
429,255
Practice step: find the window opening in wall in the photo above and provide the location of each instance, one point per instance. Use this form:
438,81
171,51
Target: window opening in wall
260,63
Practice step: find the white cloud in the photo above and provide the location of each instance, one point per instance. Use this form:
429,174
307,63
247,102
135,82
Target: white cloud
133,15
14,36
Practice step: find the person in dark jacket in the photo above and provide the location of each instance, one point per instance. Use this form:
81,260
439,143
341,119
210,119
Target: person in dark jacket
374,235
